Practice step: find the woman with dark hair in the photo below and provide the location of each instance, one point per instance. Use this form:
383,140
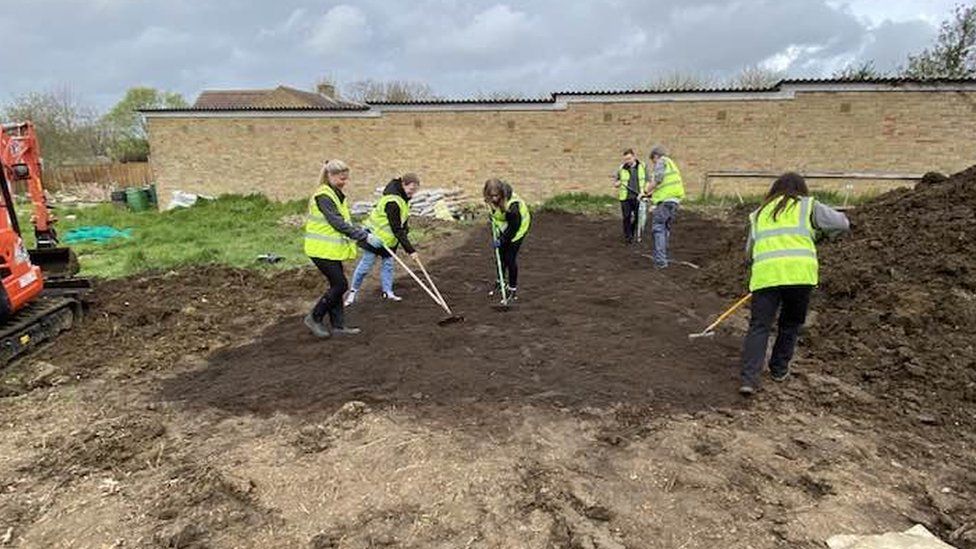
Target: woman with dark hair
510,220
782,254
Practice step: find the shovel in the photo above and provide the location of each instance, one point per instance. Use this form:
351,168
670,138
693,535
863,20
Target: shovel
710,330
451,318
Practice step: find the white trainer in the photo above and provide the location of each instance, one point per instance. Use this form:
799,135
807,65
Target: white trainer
350,298
392,296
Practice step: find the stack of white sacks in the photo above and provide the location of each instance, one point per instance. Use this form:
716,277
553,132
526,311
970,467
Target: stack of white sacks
439,203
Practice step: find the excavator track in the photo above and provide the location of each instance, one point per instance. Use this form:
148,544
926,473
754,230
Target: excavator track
36,323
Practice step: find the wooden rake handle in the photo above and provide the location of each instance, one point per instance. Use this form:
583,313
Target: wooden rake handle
417,279
727,313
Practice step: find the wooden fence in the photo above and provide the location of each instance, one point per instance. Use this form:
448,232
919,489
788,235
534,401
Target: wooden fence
131,174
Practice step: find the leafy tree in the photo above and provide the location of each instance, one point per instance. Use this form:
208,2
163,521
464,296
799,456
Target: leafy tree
128,127
954,53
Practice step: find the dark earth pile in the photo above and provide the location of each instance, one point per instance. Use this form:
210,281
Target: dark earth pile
896,307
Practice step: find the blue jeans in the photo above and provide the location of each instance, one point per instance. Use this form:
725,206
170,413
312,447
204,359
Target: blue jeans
366,265
661,221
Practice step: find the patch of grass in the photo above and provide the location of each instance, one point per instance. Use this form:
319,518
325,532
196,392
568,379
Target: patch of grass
231,230
581,203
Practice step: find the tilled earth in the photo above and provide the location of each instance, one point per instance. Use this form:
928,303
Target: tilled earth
193,409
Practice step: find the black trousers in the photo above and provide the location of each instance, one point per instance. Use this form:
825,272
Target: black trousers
509,254
792,302
629,209
331,301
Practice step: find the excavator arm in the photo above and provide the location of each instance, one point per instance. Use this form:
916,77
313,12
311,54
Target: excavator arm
39,296
20,158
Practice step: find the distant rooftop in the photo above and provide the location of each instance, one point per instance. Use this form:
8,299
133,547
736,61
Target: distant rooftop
280,98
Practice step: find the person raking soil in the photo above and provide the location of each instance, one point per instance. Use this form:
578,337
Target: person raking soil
510,219
388,222
782,254
330,238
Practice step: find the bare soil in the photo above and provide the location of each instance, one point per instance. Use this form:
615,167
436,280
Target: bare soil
195,410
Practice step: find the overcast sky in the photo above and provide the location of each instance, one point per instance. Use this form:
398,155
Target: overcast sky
99,48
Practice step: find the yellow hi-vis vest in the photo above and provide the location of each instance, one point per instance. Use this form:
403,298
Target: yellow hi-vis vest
671,186
783,250
379,223
498,218
322,240
623,176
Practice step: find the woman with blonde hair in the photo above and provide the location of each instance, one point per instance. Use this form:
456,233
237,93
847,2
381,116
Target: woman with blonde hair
330,239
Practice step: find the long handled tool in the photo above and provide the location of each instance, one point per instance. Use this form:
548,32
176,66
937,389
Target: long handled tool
710,330
504,305
451,318
641,219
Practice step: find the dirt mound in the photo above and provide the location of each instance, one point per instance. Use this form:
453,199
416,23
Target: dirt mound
896,307
898,299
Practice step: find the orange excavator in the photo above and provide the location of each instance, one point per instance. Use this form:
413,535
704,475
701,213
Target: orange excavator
40,296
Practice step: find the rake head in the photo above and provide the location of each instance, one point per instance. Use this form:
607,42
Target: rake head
701,334
453,319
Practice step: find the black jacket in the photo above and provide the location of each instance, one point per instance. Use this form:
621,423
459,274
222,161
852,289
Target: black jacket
398,226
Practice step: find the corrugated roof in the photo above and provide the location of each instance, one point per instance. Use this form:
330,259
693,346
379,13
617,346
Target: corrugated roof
284,98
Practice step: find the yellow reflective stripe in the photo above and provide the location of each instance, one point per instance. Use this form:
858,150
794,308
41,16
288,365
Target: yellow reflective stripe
328,238
758,258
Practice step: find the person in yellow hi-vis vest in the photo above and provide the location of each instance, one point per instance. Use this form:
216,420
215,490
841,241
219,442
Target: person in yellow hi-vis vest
510,219
782,253
330,239
666,190
631,183
388,221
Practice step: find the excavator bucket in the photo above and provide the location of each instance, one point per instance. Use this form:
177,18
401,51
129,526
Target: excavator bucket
55,263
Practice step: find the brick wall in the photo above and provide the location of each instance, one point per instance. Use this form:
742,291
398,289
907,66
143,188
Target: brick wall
548,151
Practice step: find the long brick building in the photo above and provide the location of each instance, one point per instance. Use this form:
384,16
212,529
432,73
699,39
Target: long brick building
843,133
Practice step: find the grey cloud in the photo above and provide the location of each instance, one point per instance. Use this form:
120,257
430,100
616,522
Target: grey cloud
458,47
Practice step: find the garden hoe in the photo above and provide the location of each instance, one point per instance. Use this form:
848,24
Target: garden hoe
710,330
451,318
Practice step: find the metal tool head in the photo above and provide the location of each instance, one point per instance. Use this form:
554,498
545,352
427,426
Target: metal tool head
701,334
453,319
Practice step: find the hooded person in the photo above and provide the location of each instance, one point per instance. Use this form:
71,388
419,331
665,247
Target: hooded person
388,222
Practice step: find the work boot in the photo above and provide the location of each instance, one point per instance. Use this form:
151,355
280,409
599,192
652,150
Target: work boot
780,377
390,296
747,390
345,330
350,298
319,329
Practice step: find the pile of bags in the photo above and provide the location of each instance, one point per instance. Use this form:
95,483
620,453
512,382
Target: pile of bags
439,203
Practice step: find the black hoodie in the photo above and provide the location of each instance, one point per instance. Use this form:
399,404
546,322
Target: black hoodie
398,227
